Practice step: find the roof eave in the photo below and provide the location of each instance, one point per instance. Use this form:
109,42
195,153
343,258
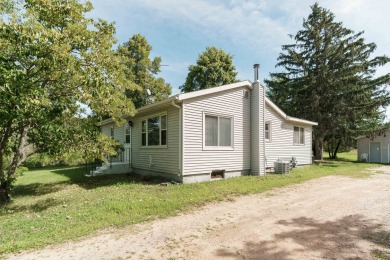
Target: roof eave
286,117
301,121
156,104
208,91
142,109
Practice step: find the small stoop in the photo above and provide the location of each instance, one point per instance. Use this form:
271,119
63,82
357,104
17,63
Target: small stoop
104,169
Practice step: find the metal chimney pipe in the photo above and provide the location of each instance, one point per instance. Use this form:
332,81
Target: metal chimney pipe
256,68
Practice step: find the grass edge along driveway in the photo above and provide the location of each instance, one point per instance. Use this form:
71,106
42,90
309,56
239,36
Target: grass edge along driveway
52,205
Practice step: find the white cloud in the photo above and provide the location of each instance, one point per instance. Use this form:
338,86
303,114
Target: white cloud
242,22
252,30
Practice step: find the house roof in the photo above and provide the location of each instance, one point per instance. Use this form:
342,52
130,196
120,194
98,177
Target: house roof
208,91
285,116
199,93
184,96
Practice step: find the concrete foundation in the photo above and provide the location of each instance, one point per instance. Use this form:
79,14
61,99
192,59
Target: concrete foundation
120,168
168,176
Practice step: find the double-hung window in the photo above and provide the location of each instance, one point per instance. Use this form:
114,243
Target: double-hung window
218,131
154,131
299,135
267,131
127,134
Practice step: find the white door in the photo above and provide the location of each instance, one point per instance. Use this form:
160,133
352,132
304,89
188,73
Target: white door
127,144
375,152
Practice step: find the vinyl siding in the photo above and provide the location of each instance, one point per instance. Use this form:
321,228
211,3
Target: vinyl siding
230,103
164,159
118,132
363,145
281,143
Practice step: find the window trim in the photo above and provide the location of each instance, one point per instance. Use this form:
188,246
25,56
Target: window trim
112,131
299,135
126,126
269,123
217,148
145,118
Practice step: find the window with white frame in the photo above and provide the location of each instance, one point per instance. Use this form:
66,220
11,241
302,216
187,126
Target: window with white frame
267,131
154,131
127,134
218,131
112,132
299,135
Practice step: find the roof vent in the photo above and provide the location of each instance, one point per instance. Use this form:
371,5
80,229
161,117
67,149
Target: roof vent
256,68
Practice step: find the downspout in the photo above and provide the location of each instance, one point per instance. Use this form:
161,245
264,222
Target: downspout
180,137
264,157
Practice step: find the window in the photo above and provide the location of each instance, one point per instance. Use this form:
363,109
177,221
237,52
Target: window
154,131
163,130
299,135
112,132
127,134
218,131
267,131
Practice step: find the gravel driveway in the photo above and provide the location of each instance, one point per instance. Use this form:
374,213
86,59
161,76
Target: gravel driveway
332,217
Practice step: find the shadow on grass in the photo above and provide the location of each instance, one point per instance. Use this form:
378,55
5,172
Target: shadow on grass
36,189
331,240
75,175
38,206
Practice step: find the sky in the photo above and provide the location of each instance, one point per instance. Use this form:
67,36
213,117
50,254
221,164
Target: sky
252,31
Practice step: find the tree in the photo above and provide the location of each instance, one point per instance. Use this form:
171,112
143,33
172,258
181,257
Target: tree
52,60
6,6
142,70
213,68
329,78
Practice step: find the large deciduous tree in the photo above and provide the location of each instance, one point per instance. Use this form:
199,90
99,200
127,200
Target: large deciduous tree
329,77
141,69
52,59
213,68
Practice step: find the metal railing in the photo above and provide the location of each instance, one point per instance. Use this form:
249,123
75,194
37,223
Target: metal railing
92,165
121,157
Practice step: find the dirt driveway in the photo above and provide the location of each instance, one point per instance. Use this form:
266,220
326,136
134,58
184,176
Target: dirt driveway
333,218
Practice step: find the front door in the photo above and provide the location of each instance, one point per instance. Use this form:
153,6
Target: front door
127,144
375,152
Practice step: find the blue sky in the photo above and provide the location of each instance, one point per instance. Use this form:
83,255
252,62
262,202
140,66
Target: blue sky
250,30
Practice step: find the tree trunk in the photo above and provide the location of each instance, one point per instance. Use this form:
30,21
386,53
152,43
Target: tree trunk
318,142
4,185
4,195
336,150
6,177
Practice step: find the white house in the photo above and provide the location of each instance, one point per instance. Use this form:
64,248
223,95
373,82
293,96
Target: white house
231,130
375,149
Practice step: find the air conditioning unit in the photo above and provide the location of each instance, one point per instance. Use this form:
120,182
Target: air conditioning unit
281,167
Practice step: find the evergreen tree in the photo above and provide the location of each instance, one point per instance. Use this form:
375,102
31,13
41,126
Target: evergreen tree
213,68
142,70
329,78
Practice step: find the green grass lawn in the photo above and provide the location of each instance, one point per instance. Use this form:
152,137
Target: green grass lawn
347,156
55,204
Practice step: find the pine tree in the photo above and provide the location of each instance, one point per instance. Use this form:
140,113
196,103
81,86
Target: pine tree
329,78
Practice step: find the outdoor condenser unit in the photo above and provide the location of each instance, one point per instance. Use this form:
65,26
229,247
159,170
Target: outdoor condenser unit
282,167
